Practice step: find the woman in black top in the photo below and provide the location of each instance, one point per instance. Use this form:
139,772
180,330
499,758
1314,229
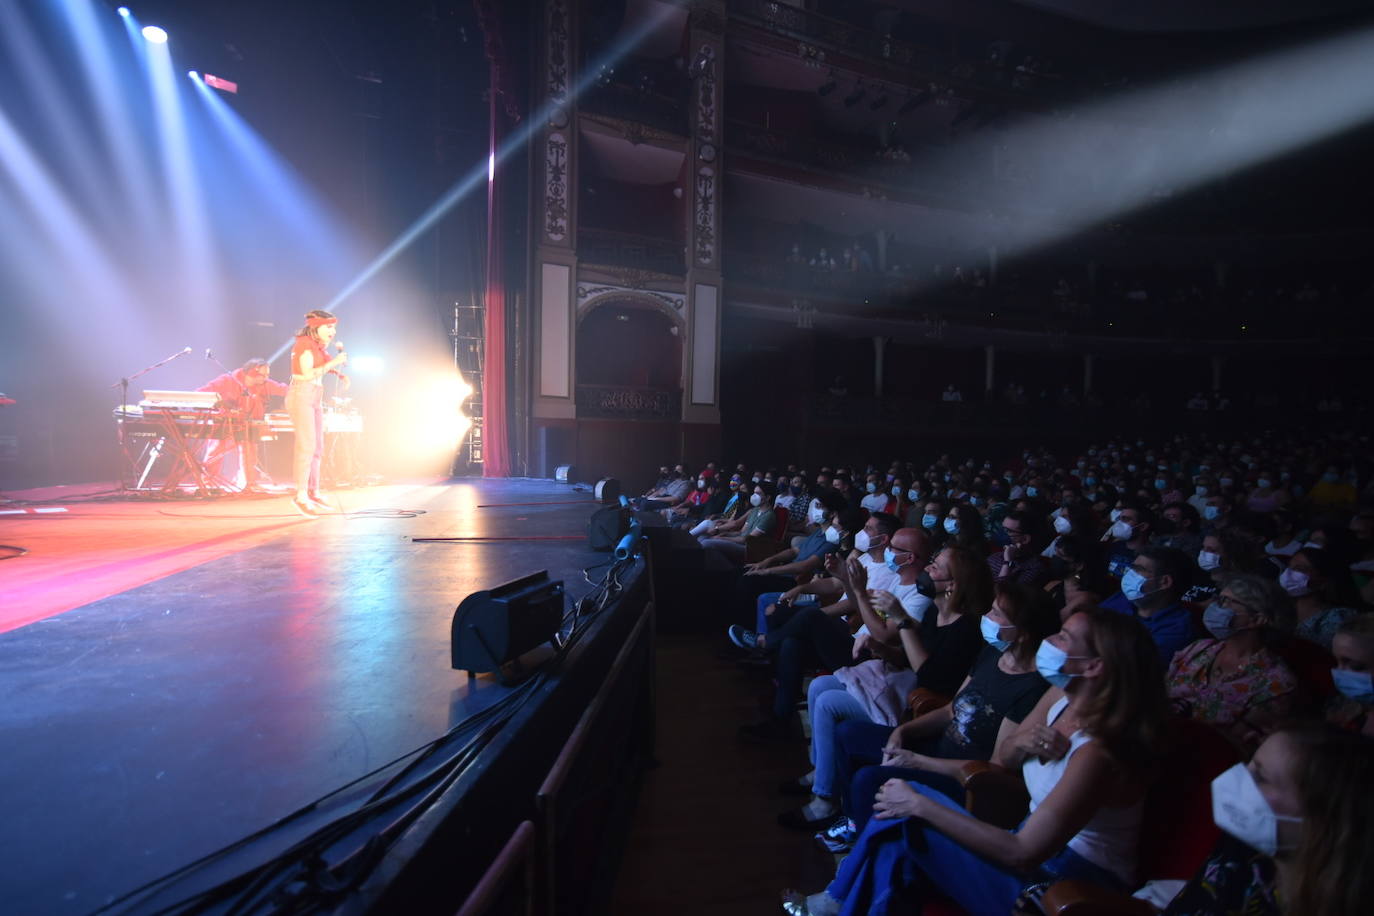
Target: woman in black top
1001,689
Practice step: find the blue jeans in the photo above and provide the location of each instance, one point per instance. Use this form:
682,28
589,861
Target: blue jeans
858,753
893,859
829,705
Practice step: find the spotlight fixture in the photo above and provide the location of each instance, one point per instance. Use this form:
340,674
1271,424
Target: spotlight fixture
123,11
828,86
879,102
154,34
856,96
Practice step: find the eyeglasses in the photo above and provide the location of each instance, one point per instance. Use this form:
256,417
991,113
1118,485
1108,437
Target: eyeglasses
1014,533
1231,603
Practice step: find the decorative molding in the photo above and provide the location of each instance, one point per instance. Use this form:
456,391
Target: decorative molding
556,187
559,54
634,131
707,18
671,304
707,97
705,220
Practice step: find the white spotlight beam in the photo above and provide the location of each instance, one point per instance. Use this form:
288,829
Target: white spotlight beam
1285,102
478,175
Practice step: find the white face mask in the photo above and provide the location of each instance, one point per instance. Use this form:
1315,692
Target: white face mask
864,543
1063,525
1122,530
755,499
816,513
1239,808
832,534
1115,514
1294,583
1206,559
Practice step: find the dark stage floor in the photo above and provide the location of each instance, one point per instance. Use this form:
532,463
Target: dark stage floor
147,729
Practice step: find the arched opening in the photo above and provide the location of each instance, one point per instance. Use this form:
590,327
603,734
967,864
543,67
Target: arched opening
629,363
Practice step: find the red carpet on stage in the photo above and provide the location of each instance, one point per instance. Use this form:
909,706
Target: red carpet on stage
96,549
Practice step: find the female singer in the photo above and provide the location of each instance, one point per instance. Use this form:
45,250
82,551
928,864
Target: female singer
310,362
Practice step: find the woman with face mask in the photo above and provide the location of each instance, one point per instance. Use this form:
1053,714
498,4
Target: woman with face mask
1323,591
1298,824
1353,676
1002,688
1085,753
1234,679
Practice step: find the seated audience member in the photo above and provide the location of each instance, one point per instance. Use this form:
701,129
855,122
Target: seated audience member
1078,575
875,494
937,647
1019,560
1353,647
1323,591
763,582
1001,689
1234,679
1129,534
1266,497
694,506
1085,752
1285,541
1298,824
1179,528
963,527
1151,589
730,538
1332,493
677,488
665,476
932,513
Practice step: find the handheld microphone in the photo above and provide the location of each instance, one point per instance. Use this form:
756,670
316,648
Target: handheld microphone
187,350
209,354
338,344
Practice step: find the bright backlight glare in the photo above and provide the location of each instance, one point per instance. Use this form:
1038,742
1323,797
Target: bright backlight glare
366,365
123,11
156,35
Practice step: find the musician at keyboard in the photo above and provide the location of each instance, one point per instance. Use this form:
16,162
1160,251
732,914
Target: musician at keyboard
243,395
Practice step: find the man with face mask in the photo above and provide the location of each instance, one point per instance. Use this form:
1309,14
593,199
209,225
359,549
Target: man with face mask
1127,536
1019,560
764,582
1150,589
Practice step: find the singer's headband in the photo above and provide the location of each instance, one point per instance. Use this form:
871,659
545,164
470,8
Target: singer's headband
312,322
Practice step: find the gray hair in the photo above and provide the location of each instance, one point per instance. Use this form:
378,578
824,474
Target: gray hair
1264,597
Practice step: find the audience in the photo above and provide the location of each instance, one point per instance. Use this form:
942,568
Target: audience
1217,559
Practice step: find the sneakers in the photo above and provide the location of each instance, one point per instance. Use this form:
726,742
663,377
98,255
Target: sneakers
319,503
839,836
745,639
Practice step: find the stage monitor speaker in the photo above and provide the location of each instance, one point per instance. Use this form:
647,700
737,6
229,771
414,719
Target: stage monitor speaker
608,490
564,473
499,629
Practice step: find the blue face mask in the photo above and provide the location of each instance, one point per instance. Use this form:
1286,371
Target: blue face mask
952,525
1032,492
1049,661
1133,585
991,632
1357,685
890,560
1211,512
1217,620
1090,480
929,521
872,487
912,496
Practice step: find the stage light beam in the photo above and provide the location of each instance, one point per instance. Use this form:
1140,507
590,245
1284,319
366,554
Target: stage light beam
155,34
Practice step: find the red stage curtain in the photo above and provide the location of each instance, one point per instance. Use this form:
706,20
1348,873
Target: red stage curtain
495,439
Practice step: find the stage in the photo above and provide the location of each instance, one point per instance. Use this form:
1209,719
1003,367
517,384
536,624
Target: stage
250,662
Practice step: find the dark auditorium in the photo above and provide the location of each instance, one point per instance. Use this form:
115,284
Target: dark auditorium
670,457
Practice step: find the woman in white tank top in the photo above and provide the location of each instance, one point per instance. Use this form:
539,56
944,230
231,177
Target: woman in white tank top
1085,753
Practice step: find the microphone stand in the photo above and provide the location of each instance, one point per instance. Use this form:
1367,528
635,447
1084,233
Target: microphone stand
123,386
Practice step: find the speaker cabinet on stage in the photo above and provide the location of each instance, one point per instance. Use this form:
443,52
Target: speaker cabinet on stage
565,473
507,628
607,490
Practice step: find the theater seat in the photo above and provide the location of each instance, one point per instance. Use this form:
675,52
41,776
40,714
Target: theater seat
1311,664
922,700
764,546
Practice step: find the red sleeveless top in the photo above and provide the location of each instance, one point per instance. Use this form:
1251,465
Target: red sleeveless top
307,344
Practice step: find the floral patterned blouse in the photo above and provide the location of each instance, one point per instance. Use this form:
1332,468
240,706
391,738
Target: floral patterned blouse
1234,881
1321,627
1200,692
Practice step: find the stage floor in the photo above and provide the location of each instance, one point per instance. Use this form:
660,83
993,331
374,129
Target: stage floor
157,725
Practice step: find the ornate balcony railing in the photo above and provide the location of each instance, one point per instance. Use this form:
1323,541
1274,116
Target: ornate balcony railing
624,402
620,249
666,112
856,161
